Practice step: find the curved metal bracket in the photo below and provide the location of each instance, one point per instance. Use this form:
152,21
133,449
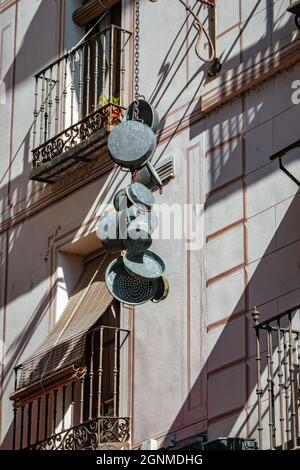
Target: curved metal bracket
215,64
281,154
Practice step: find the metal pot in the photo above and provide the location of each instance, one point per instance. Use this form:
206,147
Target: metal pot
138,235
148,176
131,144
147,114
108,232
126,288
121,200
150,217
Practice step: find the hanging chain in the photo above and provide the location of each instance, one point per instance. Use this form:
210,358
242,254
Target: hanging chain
136,61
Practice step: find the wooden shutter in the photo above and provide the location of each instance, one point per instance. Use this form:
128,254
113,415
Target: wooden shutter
63,348
91,10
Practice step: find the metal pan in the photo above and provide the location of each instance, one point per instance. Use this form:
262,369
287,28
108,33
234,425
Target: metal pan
121,200
131,144
148,176
126,288
108,232
147,265
147,113
140,196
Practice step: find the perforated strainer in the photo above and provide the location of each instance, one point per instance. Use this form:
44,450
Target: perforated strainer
125,287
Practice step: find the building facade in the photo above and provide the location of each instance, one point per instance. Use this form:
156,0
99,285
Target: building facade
78,369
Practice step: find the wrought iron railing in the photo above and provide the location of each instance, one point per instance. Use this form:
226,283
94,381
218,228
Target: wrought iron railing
278,379
88,436
80,93
80,409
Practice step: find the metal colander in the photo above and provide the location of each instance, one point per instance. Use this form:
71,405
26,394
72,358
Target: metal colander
125,287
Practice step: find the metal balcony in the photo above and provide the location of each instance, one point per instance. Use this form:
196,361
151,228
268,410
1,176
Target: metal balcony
78,99
99,433
77,408
278,380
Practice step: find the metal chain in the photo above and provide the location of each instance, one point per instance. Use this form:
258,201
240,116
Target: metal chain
136,61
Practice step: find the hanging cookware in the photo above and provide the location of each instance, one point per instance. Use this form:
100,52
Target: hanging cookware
147,175
131,144
162,290
127,289
108,232
141,225
120,200
147,114
146,265
151,217
140,196
138,237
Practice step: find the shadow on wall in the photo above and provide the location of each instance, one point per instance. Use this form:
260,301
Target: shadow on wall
263,276
271,279
16,238
240,313
33,53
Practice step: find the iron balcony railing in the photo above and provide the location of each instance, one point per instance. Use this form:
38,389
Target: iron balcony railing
278,379
82,413
80,93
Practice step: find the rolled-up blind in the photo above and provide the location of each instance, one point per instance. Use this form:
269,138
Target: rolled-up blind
91,10
65,344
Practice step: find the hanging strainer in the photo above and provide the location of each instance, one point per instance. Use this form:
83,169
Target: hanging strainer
126,288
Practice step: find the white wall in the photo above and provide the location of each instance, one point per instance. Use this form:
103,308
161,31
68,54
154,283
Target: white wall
193,353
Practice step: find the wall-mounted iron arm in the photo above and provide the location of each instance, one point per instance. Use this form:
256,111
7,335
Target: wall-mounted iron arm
212,59
281,153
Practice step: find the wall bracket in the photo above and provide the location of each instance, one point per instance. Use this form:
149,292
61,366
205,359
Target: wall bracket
281,154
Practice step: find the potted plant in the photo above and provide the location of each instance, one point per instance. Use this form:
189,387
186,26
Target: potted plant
110,106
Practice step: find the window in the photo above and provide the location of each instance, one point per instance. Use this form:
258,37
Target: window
103,60
72,380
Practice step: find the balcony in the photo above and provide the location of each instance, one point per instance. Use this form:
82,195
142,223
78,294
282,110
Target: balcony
71,123
278,380
77,408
